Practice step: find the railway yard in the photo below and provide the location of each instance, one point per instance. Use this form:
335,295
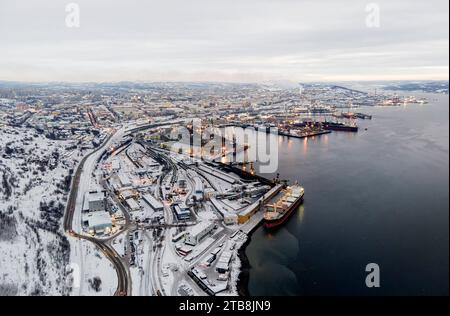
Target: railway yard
170,223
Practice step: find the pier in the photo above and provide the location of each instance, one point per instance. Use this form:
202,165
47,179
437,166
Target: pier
258,215
363,116
311,134
268,130
350,115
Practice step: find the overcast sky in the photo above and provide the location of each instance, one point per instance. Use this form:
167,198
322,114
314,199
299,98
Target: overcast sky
227,40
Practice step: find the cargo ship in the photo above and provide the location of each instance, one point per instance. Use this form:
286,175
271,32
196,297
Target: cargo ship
331,126
277,213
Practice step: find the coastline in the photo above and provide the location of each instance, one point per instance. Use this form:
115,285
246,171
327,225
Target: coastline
244,273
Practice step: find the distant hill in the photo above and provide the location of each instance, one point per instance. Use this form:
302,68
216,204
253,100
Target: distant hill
425,86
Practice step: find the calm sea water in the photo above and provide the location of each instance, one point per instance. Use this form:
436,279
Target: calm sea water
380,195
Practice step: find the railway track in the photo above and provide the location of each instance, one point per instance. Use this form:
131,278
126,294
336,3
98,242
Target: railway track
108,251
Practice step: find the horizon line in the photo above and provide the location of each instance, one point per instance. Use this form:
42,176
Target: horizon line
212,81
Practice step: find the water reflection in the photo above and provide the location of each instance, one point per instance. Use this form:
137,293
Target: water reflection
290,143
305,145
301,213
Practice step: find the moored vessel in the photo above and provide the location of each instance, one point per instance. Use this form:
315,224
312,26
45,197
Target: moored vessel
333,126
277,213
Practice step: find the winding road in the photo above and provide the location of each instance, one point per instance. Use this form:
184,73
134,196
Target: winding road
104,245
124,284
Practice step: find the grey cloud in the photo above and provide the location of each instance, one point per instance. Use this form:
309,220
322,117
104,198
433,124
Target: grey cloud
237,40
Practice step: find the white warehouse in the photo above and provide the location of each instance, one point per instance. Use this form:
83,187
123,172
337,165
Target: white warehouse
198,232
133,205
124,180
94,201
153,202
99,222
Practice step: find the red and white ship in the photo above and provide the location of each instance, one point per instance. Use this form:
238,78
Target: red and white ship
277,213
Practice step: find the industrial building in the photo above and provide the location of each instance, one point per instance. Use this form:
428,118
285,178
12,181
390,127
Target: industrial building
178,237
98,222
254,191
154,203
230,219
224,262
182,212
94,201
127,194
124,180
222,208
115,165
198,232
218,174
184,250
133,205
248,212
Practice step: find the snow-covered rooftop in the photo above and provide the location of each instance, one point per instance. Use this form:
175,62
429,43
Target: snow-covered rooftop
96,219
133,204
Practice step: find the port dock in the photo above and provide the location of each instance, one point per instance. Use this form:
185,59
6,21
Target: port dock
350,115
363,116
256,207
310,134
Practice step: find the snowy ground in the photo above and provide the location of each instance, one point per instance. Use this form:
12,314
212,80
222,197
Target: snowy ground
140,272
119,244
33,249
36,258
96,273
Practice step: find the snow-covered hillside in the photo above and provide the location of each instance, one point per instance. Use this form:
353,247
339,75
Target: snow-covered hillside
34,182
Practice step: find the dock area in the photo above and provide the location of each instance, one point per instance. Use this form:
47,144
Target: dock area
252,223
309,134
351,115
258,215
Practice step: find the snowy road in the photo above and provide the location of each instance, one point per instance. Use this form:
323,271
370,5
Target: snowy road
81,183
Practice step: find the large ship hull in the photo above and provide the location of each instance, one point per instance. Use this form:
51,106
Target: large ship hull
277,222
340,127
